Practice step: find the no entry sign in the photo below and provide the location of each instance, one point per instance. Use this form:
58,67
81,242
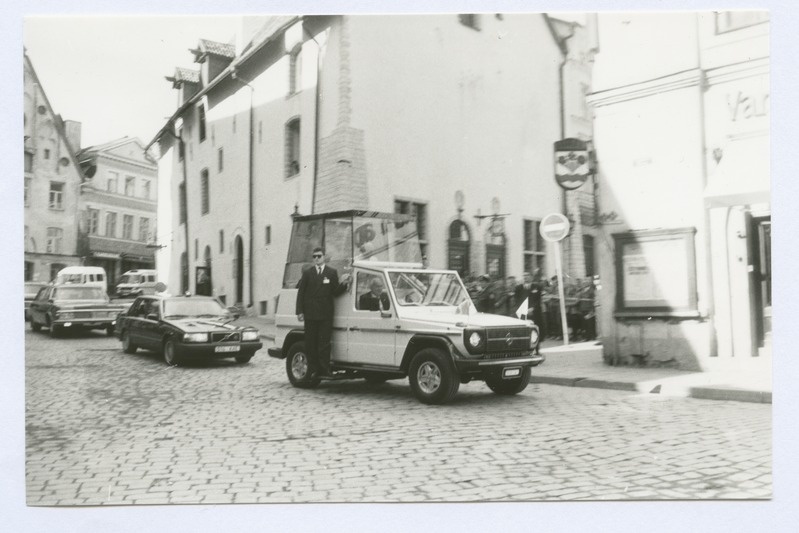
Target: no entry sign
554,227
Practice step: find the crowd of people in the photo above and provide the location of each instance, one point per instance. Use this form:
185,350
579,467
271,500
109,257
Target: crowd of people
506,296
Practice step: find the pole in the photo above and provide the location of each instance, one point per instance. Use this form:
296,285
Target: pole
559,269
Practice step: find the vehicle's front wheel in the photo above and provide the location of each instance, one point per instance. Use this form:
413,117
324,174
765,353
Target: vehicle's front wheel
127,345
170,356
509,387
298,367
433,377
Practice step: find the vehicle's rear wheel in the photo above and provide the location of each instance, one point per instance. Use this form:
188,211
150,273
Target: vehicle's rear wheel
127,345
509,387
35,326
298,367
170,356
243,359
433,377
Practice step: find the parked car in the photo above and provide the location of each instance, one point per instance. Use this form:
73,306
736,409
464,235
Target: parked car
83,275
32,288
184,328
423,325
136,283
61,307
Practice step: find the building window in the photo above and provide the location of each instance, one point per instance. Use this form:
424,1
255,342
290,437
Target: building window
293,148
56,195
144,229
47,153
534,247
588,253
27,192
182,200
110,224
113,179
28,270
470,21
28,162
204,191
268,235
295,69
146,189
735,20
92,221
196,248
201,121
54,237
181,145
221,241
127,227
419,211
130,186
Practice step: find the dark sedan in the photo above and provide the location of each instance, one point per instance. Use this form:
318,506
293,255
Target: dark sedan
62,307
184,328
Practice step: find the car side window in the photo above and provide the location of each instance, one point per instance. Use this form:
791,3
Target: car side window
370,292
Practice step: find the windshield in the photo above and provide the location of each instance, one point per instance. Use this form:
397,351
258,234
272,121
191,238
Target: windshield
422,288
79,293
130,278
191,307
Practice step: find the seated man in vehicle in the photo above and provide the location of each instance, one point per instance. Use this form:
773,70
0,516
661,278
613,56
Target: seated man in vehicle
371,301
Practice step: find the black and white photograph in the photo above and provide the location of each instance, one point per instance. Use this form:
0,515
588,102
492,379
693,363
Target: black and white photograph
494,258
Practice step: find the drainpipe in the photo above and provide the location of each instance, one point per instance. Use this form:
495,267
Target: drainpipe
317,99
236,77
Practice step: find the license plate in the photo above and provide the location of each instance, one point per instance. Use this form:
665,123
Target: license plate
227,348
511,372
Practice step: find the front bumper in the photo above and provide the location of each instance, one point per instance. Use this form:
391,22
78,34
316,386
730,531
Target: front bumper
92,323
205,350
489,367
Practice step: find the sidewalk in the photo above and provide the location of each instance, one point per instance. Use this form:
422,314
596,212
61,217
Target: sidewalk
581,365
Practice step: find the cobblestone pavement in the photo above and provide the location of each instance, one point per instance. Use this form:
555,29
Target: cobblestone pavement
106,428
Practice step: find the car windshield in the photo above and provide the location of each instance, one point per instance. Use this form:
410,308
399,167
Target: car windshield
191,307
79,293
421,288
130,278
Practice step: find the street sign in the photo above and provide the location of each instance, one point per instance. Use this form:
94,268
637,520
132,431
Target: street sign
554,227
572,166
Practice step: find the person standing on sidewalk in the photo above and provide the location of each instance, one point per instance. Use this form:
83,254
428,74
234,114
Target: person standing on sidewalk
317,289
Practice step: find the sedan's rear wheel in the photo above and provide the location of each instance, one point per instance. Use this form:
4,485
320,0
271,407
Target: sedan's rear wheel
127,345
298,367
170,356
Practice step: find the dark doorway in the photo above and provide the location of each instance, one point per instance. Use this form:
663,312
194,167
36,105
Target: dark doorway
238,268
458,248
760,278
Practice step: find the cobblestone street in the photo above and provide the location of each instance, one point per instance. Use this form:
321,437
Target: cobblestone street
106,428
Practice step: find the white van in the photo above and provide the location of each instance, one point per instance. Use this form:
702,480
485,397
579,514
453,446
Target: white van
135,283
83,275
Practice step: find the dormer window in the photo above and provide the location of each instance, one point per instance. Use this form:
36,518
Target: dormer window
293,148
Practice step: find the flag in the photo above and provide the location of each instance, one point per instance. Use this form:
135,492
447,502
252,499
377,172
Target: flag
522,310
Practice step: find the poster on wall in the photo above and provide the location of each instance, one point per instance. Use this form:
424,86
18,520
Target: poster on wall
656,272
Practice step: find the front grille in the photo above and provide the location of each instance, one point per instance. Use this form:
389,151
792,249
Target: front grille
507,355
233,336
508,339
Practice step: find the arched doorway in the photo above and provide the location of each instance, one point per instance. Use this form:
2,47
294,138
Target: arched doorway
458,246
238,268
495,249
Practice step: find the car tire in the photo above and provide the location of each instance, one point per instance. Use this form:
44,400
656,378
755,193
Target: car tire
243,359
509,387
433,377
35,326
55,331
170,357
298,367
127,345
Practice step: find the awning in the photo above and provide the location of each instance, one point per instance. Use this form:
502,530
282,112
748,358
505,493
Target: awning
743,176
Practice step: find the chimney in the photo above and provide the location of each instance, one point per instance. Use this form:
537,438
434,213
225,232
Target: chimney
72,131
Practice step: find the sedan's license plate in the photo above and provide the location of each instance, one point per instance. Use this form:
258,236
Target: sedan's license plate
227,348
511,372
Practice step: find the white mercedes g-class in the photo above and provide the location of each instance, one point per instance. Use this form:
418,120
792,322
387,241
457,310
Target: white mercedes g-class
416,322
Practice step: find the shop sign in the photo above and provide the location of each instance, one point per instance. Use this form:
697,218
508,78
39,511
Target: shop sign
572,166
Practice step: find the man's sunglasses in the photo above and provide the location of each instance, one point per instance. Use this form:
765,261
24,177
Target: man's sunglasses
317,255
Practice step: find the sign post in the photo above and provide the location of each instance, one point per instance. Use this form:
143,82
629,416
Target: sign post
554,228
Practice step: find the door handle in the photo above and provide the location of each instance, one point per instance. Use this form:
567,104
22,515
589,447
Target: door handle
354,328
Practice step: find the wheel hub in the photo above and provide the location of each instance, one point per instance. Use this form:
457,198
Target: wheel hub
429,377
299,365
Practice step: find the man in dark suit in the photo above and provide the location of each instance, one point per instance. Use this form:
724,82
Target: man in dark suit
371,301
316,290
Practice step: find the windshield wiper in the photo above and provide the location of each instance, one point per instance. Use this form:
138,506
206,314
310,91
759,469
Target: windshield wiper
174,316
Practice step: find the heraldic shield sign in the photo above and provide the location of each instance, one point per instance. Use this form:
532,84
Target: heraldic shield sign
572,166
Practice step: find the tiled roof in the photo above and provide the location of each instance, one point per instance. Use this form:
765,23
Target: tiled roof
220,49
185,74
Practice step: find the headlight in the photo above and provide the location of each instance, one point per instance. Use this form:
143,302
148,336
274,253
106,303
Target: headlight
195,337
475,339
249,336
533,338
